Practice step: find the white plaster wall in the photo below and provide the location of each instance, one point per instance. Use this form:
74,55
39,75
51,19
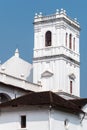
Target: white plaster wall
39,34
59,30
13,93
58,119
60,80
83,125
37,119
70,68
75,34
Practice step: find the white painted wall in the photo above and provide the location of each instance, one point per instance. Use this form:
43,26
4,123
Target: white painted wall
60,80
12,92
37,119
84,118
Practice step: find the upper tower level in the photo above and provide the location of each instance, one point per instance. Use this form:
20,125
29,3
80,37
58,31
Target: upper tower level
57,32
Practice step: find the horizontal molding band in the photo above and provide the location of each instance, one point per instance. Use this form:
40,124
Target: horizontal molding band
57,56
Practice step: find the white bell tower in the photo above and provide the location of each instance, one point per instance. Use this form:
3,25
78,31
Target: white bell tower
56,60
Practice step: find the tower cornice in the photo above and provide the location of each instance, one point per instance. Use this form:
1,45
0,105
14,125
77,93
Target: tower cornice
57,56
57,17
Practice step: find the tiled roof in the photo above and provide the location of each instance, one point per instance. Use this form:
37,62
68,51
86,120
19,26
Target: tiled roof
79,102
44,99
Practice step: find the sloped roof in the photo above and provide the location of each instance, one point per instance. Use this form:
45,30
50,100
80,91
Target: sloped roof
79,102
17,67
66,95
44,98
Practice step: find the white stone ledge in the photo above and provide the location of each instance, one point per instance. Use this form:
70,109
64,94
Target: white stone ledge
48,51
10,80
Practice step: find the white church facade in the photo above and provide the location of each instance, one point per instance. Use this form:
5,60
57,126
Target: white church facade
45,95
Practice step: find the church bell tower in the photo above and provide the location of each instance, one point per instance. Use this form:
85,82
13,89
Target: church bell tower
56,59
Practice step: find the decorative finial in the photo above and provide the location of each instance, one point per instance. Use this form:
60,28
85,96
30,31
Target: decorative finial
17,52
36,15
40,14
61,10
57,11
3,68
75,19
64,12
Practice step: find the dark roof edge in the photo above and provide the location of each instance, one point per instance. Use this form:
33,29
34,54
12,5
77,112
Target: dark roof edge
44,99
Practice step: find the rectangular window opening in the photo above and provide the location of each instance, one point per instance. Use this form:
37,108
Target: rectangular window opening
71,87
23,121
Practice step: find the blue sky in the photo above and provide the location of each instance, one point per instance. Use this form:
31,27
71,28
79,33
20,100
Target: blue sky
16,28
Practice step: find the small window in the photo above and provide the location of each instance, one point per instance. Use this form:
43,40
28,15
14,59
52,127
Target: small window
23,121
66,123
70,41
74,43
71,85
66,39
48,38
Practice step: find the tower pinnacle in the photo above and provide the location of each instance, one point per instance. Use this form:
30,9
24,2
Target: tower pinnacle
17,52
